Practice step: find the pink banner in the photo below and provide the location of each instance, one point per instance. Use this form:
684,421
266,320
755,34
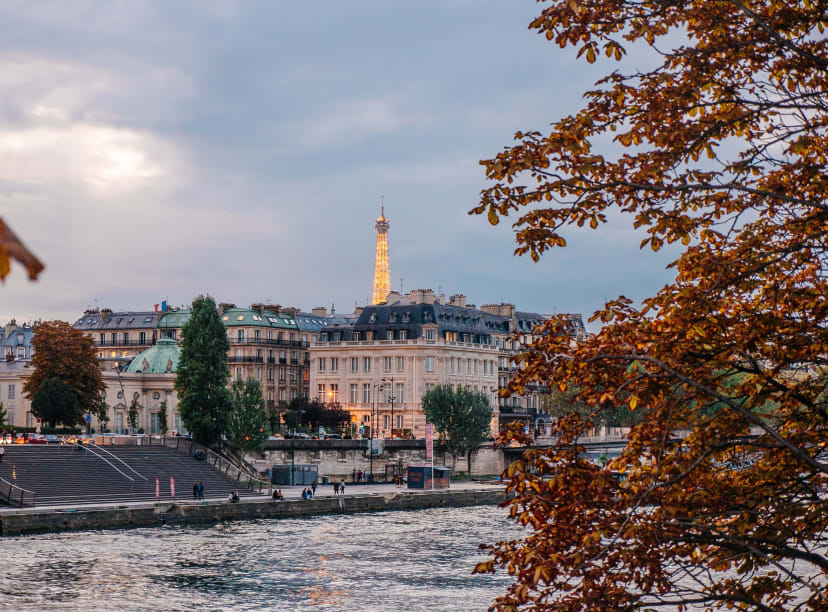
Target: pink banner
172,486
157,488
429,436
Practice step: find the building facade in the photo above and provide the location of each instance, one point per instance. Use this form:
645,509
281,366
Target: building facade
380,363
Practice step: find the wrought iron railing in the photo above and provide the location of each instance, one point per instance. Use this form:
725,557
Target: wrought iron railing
14,495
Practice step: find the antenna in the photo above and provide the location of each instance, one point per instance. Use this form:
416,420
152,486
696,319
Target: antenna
382,206
401,284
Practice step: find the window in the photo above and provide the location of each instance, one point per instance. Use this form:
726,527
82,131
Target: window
429,334
238,373
354,364
451,364
334,364
399,421
11,391
366,393
356,336
281,375
114,338
292,375
403,334
240,335
282,394
126,338
320,390
385,421
468,366
270,373
451,336
142,337
398,393
354,393
256,335
369,336
334,392
389,335
429,387
400,364
321,364
259,373
366,364
386,364
475,366
429,364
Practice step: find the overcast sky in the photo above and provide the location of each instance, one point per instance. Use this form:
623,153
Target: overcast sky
160,150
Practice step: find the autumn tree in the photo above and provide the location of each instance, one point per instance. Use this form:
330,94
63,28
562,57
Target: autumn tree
202,374
63,352
462,418
55,403
720,148
248,424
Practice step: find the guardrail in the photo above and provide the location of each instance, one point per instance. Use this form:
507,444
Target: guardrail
188,447
14,495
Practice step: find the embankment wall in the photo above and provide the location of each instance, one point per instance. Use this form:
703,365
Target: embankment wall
34,521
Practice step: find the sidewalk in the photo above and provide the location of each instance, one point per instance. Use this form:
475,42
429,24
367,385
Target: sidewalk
289,493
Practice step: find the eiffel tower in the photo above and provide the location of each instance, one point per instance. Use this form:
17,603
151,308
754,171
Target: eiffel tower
382,273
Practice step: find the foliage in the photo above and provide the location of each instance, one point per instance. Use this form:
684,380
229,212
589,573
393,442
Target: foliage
248,424
132,415
4,415
162,418
61,351
719,149
315,414
54,402
461,417
201,376
103,413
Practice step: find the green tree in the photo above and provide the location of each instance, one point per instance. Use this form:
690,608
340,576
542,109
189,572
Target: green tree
132,414
162,418
54,403
462,417
202,374
248,423
103,414
61,351
3,415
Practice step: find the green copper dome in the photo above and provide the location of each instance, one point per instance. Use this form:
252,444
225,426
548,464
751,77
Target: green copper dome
161,358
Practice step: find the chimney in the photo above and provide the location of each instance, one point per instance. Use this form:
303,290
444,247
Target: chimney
393,297
105,313
224,306
421,296
458,299
358,310
319,311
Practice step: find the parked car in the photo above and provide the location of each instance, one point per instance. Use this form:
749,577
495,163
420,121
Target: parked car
333,436
37,439
298,435
52,439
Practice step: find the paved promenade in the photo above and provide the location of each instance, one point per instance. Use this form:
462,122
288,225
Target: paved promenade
290,493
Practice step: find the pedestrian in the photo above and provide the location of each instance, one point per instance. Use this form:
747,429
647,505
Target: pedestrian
201,490
355,475
342,487
336,487
2,452
313,488
195,490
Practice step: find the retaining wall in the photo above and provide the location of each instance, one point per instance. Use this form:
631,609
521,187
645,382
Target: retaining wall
23,522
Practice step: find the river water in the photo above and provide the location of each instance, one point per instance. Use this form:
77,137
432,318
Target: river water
418,560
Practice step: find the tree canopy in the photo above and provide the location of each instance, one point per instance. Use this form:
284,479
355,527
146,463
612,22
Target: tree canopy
61,351
248,424
315,413
720,148
202,374
54,403
462,417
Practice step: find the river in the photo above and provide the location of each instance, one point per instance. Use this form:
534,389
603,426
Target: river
418,560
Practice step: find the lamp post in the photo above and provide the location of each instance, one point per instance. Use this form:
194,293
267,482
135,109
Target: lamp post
391,401
293,452
117,368
377,387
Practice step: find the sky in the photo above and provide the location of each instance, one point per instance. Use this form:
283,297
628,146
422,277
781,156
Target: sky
161,150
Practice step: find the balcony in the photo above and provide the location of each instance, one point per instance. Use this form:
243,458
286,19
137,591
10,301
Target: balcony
264,341
294,361
282,360
146,343
245,359
271,360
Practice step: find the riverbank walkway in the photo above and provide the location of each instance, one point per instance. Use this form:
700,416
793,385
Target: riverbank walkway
290,493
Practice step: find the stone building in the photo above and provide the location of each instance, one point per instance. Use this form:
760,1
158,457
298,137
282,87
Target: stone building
16,352
379,363
119,336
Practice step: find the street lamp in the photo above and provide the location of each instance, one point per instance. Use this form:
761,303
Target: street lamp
391,400
377,387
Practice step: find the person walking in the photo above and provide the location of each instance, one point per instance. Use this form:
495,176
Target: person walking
336,487
354,476
2,452
195,490
201,490
313,488
342,487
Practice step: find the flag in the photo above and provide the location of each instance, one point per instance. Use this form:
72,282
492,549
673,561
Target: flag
156,308
164,306
157,488
172,486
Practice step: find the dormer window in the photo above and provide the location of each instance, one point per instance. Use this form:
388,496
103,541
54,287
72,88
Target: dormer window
392,318
373,317
406,317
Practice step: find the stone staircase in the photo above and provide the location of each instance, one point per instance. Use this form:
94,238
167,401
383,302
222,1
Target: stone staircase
68,475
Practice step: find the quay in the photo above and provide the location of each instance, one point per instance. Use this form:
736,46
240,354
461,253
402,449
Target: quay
358,498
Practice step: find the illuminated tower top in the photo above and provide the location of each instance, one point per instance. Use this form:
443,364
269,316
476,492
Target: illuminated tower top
382,273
